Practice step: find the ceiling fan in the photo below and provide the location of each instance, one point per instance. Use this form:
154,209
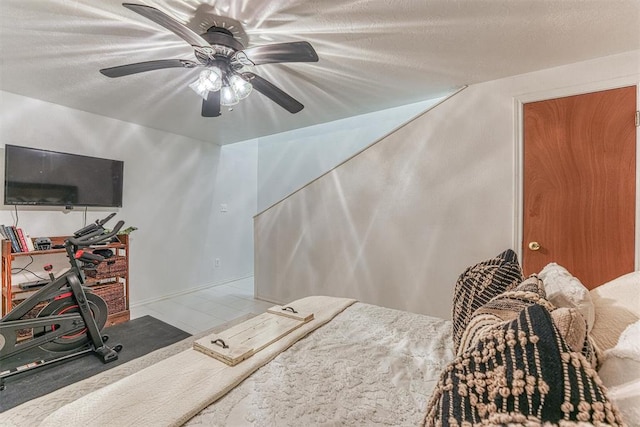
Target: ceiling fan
224,79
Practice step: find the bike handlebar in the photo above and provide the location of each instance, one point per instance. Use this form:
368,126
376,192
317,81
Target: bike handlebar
97,236
104,221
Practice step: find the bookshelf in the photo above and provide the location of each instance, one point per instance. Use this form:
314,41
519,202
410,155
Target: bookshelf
111,281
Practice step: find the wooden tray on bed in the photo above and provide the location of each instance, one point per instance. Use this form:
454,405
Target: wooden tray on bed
242,341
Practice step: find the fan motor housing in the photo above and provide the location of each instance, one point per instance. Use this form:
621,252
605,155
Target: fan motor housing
222,37
221,41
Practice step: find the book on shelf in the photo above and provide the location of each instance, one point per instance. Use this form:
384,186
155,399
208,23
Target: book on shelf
5,234
22,240
30,247
15,246
19,239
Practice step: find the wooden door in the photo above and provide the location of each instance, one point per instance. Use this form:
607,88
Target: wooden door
579,184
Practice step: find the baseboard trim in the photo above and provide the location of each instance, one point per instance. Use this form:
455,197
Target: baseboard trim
186,291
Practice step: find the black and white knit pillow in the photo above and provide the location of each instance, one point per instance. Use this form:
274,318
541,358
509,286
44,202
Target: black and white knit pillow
522,372
504,307
480,283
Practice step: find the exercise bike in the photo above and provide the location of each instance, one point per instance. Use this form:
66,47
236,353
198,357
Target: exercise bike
69,324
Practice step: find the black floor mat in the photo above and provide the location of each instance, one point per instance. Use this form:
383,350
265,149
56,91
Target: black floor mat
138,337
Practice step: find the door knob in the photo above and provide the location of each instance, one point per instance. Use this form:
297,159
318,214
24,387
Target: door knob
534,246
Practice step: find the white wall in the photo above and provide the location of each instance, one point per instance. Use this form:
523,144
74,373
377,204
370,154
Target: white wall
173,189
289,160
397,224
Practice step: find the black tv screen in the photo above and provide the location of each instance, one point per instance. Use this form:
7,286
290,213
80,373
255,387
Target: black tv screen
41,177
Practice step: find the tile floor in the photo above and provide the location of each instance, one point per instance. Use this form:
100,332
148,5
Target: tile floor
202,310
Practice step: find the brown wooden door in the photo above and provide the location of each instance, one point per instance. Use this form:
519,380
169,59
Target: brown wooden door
579,184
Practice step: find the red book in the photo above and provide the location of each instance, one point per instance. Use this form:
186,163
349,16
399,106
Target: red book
22,240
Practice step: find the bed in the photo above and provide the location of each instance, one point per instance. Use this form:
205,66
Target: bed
360,364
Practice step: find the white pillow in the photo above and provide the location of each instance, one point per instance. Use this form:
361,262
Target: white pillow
617,305
620,373
565,290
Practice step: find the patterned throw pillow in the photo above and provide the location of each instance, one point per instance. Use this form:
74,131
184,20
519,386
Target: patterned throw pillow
521,372
507,306
478,284
504,307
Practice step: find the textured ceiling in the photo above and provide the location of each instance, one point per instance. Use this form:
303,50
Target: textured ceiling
374,54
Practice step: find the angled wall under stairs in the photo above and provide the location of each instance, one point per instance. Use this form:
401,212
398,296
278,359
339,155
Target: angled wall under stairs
396,224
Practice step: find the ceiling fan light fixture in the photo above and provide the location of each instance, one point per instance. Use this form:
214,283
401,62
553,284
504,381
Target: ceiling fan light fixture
198,88
228,96
209,80
240,86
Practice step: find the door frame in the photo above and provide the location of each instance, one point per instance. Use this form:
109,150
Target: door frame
518,104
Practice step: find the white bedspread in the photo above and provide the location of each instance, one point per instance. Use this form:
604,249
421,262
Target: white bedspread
368,366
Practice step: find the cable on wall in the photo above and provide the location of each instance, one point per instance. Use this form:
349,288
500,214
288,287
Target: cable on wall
16,218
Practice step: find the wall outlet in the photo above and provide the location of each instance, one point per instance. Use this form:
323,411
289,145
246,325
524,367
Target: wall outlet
217,262
224,207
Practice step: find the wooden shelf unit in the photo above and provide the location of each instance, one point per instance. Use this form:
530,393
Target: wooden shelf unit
13,293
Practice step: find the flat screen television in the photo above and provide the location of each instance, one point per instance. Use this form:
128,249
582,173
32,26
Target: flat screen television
49,178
